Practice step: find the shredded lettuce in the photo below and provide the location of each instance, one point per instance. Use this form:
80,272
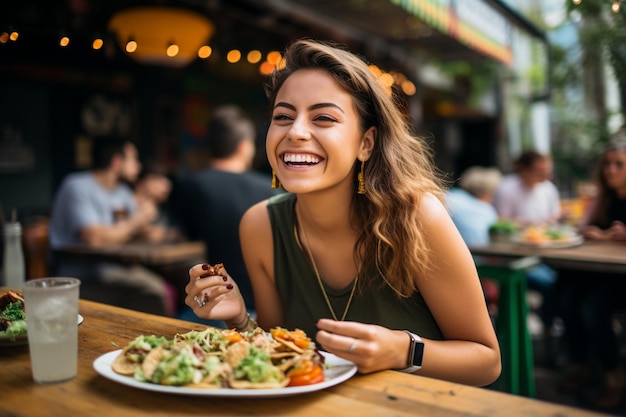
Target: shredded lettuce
257,367
15,313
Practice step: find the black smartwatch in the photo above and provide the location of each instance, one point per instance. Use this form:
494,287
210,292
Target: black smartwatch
416,353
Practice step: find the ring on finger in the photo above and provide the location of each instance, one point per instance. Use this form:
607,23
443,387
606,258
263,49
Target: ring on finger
353,346
201,303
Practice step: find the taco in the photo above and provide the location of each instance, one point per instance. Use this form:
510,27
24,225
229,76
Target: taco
133,355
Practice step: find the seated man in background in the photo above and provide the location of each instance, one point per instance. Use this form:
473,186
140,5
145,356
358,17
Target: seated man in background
529,197
96,208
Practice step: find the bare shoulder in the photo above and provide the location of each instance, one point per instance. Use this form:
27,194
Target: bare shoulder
255,232
431,210
256,218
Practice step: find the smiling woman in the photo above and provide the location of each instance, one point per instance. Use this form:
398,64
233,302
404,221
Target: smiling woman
361,235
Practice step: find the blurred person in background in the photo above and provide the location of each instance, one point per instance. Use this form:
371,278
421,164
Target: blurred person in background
153,187
214,199
470,206
588,301
529,197
97,208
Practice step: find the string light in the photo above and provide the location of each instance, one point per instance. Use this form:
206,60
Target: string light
254,56
172,50
205,51
131,46
233,56
97,43
616,6
273,61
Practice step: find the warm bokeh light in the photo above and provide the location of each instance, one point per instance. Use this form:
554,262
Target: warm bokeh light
616,6
205,51
408,88
375,70
131,46
266,68
233,56
577,2
64,41
97,43
254,56
386,79
4,37
14,36
274,57
172,50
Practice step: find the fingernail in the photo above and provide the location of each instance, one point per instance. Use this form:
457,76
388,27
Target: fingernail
206,298
205,267
225,279
229,286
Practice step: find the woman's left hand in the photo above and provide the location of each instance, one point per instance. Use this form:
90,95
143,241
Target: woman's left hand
372,348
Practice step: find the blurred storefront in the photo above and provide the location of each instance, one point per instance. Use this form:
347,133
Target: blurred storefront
475,72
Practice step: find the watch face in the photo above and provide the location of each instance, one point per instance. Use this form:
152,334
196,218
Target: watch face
418,353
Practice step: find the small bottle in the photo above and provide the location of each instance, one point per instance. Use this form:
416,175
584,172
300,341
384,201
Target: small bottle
14,268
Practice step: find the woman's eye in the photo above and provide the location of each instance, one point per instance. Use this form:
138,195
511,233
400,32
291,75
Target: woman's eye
324,118
279,117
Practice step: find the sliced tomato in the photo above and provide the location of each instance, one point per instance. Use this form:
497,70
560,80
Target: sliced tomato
314,376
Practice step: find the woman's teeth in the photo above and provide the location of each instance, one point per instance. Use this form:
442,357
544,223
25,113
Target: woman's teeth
300,159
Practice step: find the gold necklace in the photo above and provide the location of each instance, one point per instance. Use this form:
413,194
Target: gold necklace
319,279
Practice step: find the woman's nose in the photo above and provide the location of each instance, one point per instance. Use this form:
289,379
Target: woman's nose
299,130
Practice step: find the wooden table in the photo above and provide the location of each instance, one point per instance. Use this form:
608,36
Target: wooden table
107,328
150,254
592,255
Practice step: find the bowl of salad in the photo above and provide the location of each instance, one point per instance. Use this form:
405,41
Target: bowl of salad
12,319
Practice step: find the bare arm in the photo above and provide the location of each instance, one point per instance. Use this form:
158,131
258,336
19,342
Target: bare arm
120,232
469,353
258,251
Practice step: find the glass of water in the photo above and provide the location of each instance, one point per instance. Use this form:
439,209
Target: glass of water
51,307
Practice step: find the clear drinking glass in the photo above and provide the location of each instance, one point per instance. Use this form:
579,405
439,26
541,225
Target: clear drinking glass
51,307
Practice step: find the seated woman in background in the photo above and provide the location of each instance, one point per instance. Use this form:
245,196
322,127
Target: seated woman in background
589,300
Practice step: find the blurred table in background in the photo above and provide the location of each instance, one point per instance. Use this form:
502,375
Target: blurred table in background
148,254
592,255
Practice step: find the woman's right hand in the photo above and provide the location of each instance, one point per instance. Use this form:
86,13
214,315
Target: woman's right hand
214,297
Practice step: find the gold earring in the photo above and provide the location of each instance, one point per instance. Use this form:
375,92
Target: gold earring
275,181
361,178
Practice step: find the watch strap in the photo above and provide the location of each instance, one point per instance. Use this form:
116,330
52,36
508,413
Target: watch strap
415,354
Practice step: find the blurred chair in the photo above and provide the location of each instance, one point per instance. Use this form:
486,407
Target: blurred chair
36,247
518,376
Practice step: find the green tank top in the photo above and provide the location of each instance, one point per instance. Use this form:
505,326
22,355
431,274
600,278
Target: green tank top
304,302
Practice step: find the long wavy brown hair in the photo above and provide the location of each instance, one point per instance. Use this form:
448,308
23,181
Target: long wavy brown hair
400,172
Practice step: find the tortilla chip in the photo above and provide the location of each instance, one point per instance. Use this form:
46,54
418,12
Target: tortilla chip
151,362
122,365
244,384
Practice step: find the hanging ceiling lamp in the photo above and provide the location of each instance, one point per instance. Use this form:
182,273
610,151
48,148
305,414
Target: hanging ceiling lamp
161,35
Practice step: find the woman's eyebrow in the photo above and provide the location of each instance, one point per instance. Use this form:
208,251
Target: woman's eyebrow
312,107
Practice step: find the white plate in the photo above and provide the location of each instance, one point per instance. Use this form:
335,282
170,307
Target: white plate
337,372
22,340
552,244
